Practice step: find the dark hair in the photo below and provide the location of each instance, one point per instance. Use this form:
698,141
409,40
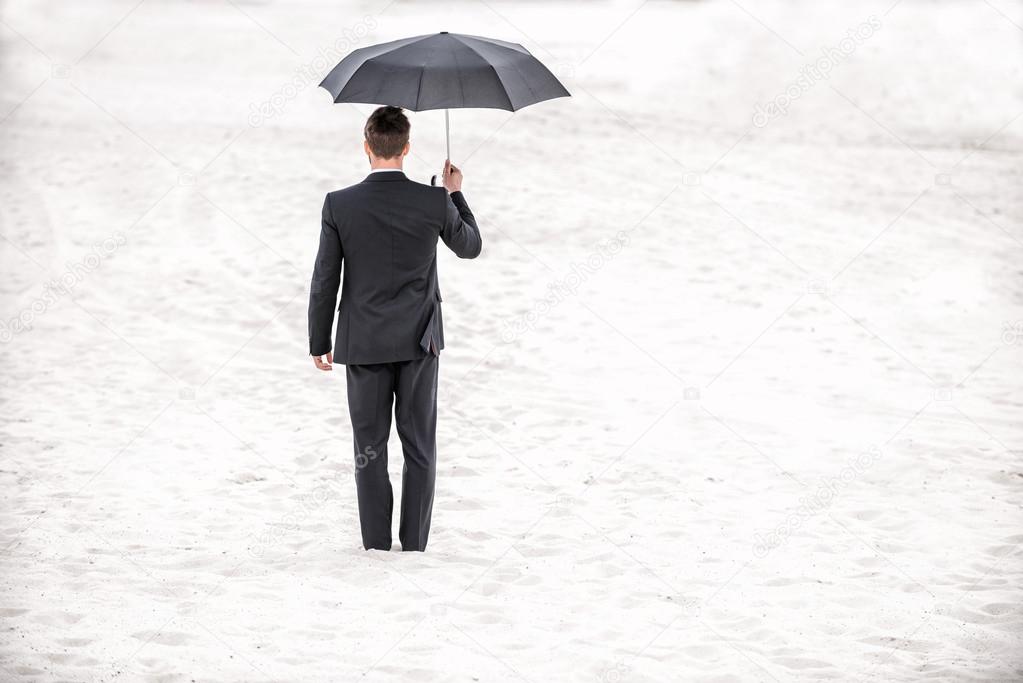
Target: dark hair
387,132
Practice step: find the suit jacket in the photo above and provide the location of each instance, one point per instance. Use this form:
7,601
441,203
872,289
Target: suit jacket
385,230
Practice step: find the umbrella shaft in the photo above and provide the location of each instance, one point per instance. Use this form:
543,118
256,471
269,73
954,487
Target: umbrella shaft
447,134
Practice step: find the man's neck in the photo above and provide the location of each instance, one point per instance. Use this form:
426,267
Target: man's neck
385,166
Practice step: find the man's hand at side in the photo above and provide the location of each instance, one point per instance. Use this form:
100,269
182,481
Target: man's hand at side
325,366
452,177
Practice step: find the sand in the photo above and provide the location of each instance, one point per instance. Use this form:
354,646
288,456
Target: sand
725,398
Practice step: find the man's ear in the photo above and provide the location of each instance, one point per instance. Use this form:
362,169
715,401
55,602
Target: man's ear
365,146
408,146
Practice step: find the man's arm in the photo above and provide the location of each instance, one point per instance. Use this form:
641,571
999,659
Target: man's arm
460,231
323,289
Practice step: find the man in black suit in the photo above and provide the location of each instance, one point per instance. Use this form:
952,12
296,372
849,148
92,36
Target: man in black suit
389,331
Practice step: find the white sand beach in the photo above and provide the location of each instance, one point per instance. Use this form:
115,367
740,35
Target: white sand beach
732,394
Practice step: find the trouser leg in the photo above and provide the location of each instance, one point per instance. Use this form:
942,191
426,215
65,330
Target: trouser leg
416,413
370,388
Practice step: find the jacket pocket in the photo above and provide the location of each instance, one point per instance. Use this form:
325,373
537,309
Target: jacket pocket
428,342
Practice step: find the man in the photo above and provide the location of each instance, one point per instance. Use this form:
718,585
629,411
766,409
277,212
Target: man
389,331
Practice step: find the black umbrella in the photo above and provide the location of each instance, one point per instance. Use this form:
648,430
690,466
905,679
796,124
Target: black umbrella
443,71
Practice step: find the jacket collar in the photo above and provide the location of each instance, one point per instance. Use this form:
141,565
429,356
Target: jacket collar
385,176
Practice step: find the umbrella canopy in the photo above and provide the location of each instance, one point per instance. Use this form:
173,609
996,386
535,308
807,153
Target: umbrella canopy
443,71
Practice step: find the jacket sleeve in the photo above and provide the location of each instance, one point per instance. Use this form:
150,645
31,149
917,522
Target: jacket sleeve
324,285
460,231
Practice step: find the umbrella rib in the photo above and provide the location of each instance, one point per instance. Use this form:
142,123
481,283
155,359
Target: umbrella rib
341,92
419,86
515,48
376,51
503,86
525,80
497,73
495,42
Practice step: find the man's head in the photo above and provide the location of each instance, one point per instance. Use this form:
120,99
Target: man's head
386,133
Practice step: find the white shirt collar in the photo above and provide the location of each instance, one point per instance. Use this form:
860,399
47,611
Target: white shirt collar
384,170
